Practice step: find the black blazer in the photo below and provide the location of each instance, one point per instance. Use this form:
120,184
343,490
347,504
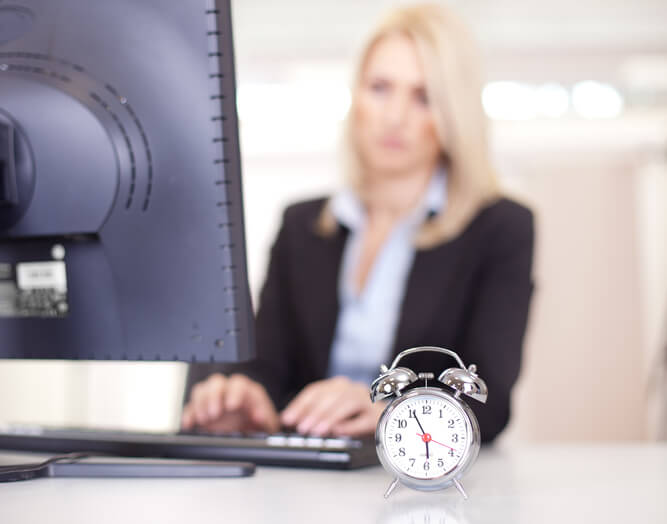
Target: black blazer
470,294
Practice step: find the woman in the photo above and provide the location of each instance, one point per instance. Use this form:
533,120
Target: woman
420,249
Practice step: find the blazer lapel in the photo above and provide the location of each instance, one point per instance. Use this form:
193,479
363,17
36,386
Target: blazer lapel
321,312
431,275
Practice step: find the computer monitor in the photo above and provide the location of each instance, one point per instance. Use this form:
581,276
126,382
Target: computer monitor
121,220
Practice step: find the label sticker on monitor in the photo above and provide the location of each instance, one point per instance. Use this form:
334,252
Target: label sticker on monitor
33,289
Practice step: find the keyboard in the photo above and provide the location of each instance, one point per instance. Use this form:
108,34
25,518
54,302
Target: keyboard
280,449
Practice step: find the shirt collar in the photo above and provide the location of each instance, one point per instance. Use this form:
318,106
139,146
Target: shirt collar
349,211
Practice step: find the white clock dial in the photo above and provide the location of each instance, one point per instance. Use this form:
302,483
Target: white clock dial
426,436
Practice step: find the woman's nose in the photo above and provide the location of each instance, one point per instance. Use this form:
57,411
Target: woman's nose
396,110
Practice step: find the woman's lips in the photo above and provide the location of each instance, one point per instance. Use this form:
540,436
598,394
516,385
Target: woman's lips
392,143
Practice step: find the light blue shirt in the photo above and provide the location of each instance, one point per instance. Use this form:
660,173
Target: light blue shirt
367,322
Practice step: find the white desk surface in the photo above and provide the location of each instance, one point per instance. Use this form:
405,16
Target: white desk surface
532,484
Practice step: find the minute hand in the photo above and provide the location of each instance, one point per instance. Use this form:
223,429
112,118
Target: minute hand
420,427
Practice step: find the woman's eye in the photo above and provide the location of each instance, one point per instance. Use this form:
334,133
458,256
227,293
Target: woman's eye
379,86
421,97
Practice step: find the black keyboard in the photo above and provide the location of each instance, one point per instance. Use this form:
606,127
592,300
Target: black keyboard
272,450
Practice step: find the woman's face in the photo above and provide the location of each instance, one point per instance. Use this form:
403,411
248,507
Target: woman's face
395,130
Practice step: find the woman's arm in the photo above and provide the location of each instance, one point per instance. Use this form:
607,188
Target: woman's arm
493,336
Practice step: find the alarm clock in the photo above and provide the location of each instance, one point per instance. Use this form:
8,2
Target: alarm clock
427,437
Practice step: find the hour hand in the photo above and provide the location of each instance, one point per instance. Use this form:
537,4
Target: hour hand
419,423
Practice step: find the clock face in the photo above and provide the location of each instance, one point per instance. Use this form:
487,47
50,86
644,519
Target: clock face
426,436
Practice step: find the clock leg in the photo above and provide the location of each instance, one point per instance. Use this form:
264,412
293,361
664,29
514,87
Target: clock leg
391,488
462,491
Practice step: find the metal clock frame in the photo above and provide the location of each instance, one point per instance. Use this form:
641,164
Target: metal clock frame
468,455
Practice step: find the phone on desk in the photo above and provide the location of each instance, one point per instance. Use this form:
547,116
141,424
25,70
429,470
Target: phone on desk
84,465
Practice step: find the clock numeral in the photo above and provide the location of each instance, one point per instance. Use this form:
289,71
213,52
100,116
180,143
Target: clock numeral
441,414
427,466
398,437
402,423
412,462
450,423
401,452
426,410
441,463
412,413
455,437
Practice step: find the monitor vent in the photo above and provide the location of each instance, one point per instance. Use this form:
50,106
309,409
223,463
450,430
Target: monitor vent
128,144
144,140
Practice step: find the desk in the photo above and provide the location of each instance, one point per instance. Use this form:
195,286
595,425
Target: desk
534,484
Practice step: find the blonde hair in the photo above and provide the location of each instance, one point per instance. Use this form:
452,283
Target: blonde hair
453,84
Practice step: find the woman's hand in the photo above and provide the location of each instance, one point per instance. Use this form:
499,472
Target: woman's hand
234,403
335,406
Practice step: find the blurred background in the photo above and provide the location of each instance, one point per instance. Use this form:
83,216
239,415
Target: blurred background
576,93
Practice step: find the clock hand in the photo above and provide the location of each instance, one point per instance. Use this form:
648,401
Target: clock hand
427,438
424,432
420,426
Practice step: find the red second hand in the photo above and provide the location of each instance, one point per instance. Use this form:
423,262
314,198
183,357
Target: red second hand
431,440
